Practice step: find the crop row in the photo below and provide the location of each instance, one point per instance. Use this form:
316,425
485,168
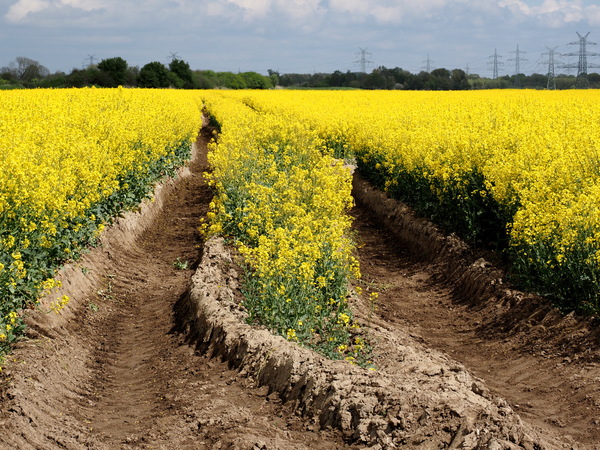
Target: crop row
284,200
517,171
70,160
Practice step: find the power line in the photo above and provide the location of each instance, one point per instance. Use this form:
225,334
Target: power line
427,64
90,61
495,63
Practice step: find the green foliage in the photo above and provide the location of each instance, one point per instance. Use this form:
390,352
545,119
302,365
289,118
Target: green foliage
465,208
115,69
569,276
255,80
183,72
71,240
230,80
154,75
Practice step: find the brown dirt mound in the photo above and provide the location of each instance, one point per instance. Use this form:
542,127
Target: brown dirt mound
428,401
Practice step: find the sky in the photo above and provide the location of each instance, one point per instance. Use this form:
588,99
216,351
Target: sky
303,36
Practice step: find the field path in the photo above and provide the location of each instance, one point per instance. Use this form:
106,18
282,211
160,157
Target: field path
118,377
528,357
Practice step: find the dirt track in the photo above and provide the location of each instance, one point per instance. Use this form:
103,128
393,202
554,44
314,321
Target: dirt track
112,372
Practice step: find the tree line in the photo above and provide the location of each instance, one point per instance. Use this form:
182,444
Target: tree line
113,72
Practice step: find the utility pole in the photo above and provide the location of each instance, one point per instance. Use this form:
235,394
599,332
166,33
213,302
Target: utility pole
363,61
517,60
582,65
551,79
495,63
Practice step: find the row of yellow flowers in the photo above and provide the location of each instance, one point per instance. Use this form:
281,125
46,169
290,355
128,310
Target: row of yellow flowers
69,161
514,170
285,200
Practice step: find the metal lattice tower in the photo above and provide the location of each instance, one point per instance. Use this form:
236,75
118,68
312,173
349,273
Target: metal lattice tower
90,59
428,62
517,59
363,60
495,63
551,63
582,65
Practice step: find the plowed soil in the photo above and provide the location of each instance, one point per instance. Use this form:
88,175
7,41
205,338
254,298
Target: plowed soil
114,371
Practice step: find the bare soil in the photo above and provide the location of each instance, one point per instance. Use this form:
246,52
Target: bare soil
148,355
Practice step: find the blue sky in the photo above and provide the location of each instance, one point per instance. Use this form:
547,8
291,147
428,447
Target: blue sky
302,36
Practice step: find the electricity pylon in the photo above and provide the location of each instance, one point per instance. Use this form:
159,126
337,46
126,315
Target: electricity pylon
363,61
551,63
495,63
517,59
582,65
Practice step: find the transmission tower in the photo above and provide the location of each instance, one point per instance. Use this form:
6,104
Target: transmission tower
90,60
363,59
582,66
495,63
517,59
551,62
428,65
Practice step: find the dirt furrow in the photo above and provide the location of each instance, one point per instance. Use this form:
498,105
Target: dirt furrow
546,387
111,372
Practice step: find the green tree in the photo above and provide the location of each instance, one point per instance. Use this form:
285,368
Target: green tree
375,80
230,80
183,72
254,80
439,80
154,75
116,69
205,79
26,69
458,80
274,76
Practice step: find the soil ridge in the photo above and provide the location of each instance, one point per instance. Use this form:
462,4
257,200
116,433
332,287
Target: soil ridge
434,401
479,284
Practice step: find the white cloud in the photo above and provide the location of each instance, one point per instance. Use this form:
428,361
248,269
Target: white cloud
388,11
252,8
301,9
553,13
23,9
593,15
